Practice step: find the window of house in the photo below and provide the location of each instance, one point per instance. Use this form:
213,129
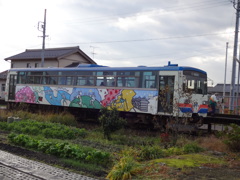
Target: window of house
3,87
36,65
28,65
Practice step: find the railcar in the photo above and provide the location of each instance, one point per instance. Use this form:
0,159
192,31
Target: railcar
142,94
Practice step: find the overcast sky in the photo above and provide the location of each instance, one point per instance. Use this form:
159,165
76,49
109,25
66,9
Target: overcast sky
126,32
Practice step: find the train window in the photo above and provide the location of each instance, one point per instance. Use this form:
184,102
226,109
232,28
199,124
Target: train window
100,73
130,82
30,79
85,81
62,80
120,81
22,78
37,80
149,80
69,80
81,81
127,81
101,81
110,81
53,80
43,80
190,84
197,86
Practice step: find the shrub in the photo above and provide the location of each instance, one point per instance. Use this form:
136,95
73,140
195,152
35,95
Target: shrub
110,121
3,125
150,152
124,169
192,148
233,138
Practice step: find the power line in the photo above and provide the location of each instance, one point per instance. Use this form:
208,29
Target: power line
152,39
196,52
181,8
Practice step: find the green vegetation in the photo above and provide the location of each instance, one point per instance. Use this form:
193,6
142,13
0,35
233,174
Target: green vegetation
62,149
120,153
48,130
62,118
190,160
124,169
110,121
233,138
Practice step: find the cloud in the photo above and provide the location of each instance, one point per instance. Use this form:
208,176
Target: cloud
126,33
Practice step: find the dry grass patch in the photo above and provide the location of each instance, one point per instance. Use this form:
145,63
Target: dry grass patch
213,143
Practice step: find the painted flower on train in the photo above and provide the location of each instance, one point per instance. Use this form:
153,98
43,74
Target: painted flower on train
25,94
110,95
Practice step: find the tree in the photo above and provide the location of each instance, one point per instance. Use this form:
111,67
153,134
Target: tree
110,121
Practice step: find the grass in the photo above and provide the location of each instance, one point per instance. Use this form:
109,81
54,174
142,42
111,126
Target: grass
190,160
213,143
84,166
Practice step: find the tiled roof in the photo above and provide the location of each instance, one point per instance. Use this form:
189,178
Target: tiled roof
50,53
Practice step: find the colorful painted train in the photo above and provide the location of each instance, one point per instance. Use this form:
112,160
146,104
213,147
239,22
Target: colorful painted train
144,94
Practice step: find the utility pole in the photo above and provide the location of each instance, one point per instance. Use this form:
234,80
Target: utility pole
225,75
42,27
236,5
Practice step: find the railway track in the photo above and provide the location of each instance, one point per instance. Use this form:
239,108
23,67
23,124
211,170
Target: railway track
222,119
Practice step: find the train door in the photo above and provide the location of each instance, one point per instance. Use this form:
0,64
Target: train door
166,91
12,86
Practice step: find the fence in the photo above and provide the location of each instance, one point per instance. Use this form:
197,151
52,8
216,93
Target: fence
224,104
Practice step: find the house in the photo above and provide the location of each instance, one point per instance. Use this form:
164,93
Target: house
53,57
3,76
219,89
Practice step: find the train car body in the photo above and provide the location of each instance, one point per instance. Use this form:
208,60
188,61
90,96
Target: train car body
169,91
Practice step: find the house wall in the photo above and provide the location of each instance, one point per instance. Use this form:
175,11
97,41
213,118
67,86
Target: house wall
32,63
49,62
71,59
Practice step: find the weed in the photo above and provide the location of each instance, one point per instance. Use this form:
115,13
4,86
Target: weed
150,152
192,148
124,169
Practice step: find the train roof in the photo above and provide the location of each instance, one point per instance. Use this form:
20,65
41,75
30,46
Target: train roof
95,67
